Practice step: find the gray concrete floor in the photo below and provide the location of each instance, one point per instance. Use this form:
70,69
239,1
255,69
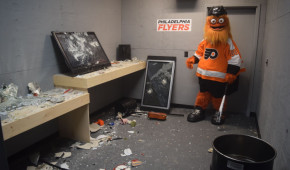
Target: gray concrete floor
173,144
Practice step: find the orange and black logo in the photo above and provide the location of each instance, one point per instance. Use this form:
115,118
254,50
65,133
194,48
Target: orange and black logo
210,53
234,52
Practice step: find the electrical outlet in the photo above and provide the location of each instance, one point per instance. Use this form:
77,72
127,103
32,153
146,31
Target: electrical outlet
185,53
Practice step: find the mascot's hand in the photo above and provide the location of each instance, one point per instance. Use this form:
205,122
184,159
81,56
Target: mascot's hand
230,78
189,62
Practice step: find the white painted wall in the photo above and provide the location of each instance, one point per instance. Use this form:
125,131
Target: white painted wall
274,108
27,53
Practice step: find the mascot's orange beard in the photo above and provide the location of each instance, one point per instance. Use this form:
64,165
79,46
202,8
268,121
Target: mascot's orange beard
217,37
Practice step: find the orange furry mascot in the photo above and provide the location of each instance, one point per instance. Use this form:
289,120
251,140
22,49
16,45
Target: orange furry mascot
219,62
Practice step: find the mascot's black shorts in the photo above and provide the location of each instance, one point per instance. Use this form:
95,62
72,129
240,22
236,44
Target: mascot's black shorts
217,89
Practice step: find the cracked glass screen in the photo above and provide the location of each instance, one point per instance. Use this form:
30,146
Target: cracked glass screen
82,51
158,83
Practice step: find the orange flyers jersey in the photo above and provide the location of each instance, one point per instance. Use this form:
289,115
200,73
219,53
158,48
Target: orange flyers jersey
215,61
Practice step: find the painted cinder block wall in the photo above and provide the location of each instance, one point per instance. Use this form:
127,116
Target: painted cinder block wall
274,108
27,53
139,29
272,82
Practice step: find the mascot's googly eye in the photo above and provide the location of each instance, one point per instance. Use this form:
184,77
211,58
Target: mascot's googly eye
213,21
221,20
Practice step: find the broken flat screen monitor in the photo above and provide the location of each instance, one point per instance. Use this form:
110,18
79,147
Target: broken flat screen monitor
158,83
82,51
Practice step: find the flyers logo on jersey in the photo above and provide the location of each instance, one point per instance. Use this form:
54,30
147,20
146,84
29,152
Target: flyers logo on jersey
210,53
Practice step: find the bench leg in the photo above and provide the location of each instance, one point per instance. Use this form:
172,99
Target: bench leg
3,158
75,124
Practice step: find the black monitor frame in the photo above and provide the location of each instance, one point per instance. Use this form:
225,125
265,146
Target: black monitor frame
82,51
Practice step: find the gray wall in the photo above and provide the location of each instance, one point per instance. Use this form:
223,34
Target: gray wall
27,53
271,83
139,29
273,108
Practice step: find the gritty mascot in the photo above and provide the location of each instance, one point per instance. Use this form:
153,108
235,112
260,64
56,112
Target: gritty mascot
219,63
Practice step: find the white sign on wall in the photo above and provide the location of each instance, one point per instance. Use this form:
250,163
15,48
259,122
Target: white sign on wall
173,24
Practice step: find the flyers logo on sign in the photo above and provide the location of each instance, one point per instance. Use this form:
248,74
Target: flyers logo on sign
210,53
174,25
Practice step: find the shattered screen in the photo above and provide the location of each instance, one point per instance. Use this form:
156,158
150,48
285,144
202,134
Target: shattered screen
158,83
82,51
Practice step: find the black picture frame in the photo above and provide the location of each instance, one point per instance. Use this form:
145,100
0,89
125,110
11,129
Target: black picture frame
158,84
82,51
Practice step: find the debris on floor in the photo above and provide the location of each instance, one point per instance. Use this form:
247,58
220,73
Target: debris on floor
118,146
136,162
100,122
124,121
127,152
53,163
94,143
62,154
103,138
122,167
111,124
64,165
127,121
210,150
40,167
133,123
94,127
85,146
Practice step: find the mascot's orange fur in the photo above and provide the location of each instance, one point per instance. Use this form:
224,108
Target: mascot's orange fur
219,62
218,32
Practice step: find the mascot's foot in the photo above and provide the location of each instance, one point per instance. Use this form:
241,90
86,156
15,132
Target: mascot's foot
215,121
196,115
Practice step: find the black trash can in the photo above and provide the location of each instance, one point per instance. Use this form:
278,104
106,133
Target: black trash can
242,152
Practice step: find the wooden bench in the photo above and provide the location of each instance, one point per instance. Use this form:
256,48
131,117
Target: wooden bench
86,81
72,115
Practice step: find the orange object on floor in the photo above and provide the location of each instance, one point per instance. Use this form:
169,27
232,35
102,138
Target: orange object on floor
136,162
155,115
100,122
